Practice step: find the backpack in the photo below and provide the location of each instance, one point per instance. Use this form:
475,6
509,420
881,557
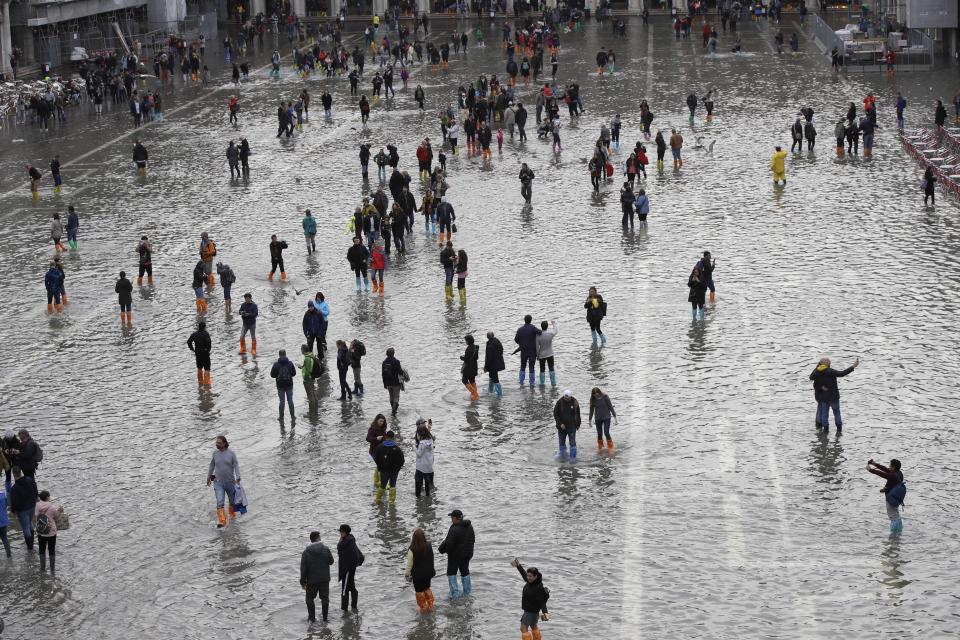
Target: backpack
42,526
316,369
896,495
284,378
360,557
38,456
360,349
229,277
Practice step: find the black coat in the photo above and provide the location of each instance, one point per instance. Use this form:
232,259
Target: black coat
493,358
459,541
423,568
825,387
23,494
535,595
390,371
698,291
389,457
124,291
527,338
470,356
348,556
315,564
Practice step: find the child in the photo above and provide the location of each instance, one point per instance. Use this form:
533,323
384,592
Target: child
500,140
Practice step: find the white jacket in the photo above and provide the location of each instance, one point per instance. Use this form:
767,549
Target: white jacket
425,456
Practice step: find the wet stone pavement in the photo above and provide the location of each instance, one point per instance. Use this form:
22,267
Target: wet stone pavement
722,512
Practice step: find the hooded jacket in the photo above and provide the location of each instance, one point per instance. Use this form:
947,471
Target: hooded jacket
281,366
348,556
567,413
312,321
825,387
389,457
535,595
315,562
425,450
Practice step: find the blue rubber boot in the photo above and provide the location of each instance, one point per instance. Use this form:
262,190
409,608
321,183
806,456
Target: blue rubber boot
366,284
693,313
603,339
553,378
702,311
594,334
499,390
542,377
532,380
467,585
454,587
573,452
490,387
562,453
358,284
523,376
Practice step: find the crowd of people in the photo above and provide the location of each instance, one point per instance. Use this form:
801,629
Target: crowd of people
386,220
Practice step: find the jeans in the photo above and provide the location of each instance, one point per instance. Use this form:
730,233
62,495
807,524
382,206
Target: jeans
251,328
823,413
447,272
524,359
5,541
455,564
568,434
603,429
422,481
25,518
394,397
526,191
868,141
390,478
312,591
285,392
222,489
548,362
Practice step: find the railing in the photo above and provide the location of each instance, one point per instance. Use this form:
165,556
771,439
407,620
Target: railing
824,34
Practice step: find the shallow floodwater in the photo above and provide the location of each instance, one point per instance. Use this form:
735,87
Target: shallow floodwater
721,514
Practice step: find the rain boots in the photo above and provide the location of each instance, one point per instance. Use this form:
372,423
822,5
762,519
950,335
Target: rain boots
206,377
243,345
376,478
467,585
499,389
463,296
381,288
454,587
599,443
64,297
523,376
472,388
392,493
448,290
573,452
553,378
610,444
594,334
431,604
253,346
603,338
199,376
283,276
490,387
660,166
693,313
896,525
543,378
526,635
366,283
536,633
358,284
378,495
422,603
233,514
713,297
139,281
702,312
150,280
561,453
49,309
59,307
376,286
221,518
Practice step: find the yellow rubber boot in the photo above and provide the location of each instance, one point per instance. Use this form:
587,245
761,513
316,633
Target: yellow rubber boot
376,478
393,495
378,495
463,296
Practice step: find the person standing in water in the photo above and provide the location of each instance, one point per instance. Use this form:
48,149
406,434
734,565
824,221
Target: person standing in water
145,253
827,393
706,265
420,570
493,363
73,226
698,292
468,370
315,563
533,601
566,413
283,371
124,291
596,311
310,231
601,410
200,344
349,557
249,313
526,340
778,166
545,351
526,182
224,474
894,491
458,547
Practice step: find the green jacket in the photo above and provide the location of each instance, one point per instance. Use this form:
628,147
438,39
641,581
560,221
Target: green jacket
307,367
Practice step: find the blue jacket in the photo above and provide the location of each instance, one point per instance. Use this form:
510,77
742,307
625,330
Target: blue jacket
53,281
4,518
527,338
309,225
248,311
73,221
445,213
323,308
642,204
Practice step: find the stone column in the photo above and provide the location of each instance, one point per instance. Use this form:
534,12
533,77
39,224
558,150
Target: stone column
509,7
592,5
6,46
635,6
299,7
423,6
334,9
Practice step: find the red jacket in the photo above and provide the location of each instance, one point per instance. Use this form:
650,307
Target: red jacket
422,154
377,258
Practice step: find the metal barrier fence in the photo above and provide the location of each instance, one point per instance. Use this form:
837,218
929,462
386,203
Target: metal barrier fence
824,34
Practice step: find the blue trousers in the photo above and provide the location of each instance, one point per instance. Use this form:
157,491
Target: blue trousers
823,413
25,518
222,490
570,434
285,392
